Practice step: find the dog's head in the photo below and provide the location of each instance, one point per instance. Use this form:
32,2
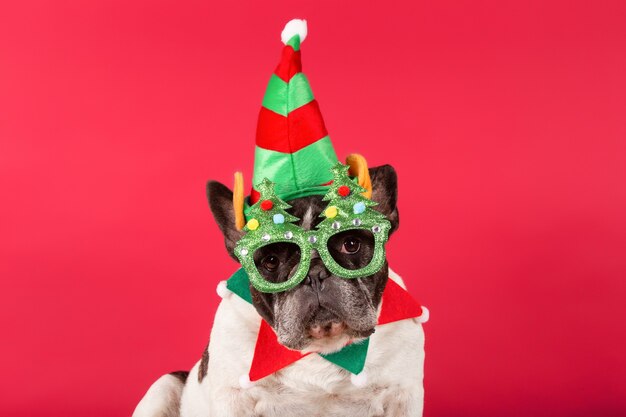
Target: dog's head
324,312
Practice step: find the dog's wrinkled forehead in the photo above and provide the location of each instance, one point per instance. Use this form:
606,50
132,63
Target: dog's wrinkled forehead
307,210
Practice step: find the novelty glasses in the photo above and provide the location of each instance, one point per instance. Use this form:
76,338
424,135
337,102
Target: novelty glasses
348,213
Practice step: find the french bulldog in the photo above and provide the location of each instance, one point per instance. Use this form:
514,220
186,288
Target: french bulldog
322,314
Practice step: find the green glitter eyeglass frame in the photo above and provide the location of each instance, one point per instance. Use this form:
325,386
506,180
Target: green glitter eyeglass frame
269,223
309,240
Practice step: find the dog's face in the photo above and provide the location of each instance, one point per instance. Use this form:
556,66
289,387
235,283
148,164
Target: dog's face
324,312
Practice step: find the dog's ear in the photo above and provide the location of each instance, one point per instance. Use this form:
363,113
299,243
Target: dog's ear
221,203
385,193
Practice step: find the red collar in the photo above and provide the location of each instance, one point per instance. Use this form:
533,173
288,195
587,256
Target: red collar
270,356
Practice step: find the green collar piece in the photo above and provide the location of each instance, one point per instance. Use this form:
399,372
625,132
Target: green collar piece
351,358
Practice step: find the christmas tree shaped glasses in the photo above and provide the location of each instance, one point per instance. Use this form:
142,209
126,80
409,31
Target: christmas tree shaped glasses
270,224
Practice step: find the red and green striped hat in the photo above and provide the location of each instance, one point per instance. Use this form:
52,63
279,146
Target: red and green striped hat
293,148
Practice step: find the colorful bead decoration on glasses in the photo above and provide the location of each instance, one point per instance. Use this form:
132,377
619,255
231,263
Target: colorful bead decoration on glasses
347,209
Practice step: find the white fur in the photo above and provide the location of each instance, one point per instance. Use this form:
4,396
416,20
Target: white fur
307,219
162,398
294,27
390,385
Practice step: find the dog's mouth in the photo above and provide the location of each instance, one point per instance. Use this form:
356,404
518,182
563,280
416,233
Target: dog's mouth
325,332
335,342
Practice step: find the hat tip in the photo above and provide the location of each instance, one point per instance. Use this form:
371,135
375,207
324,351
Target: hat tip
292,28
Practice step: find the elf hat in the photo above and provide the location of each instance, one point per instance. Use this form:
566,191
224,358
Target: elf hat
293,149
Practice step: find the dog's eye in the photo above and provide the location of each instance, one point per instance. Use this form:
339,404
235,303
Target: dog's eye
271,263
351,245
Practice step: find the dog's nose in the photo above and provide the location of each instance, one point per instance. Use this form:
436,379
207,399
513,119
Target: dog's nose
317,273
331,328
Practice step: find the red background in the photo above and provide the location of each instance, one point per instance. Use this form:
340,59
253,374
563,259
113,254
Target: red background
505,122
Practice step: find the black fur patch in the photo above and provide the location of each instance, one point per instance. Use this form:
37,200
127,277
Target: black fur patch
204,365
181,375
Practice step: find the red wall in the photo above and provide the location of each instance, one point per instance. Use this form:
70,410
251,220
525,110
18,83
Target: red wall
506,122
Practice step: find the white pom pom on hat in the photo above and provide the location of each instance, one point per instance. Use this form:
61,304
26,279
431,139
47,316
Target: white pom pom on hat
294,27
